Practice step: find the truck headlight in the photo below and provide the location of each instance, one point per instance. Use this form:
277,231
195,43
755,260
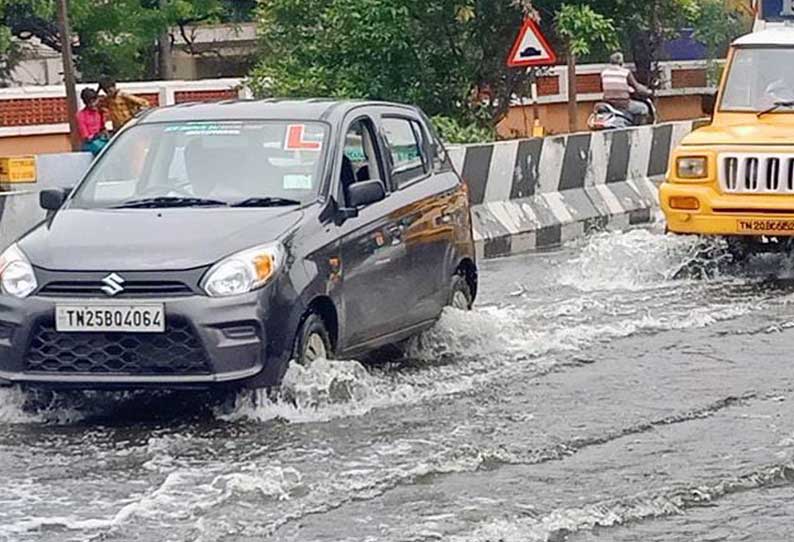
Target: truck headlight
16,274
692,167
245,271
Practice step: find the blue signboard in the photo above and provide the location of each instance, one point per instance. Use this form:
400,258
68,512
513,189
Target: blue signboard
777,10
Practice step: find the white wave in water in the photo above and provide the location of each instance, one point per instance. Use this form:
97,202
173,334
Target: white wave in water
637,260
185,494
481,346
557,524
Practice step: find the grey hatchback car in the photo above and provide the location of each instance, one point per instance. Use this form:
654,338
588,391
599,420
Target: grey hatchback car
210,245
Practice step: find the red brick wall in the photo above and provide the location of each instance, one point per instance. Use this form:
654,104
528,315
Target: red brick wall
153,99
204,95
37,111
589,83
548,86
32,111
689,78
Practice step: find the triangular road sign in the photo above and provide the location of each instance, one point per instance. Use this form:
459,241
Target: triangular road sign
531,48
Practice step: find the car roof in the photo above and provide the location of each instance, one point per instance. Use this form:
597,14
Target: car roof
319,109
773,36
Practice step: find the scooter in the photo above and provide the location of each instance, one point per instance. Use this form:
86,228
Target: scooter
605,116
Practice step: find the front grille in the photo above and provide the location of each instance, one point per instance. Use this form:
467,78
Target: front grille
742,173
177,352
131,289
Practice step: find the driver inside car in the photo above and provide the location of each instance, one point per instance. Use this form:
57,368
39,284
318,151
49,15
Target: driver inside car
212,173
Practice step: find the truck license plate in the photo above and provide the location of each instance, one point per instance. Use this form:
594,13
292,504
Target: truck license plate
766,227
144,318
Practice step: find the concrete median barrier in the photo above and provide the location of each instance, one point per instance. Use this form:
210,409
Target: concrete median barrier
539,193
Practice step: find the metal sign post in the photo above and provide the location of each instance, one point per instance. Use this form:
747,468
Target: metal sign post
531,50
533,78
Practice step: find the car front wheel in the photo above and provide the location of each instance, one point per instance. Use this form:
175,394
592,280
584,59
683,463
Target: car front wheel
313,341
460,297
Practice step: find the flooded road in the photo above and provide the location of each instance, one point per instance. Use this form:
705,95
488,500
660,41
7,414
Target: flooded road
623,389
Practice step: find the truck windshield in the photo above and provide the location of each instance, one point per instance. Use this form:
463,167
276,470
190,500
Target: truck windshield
252,163
760,79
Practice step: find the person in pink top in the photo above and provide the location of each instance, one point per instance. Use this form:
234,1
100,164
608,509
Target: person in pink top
91,123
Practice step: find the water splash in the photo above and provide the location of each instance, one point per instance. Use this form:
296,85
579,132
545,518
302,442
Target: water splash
21,407
641,259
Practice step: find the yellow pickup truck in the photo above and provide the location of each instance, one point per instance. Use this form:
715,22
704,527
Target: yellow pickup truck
735,177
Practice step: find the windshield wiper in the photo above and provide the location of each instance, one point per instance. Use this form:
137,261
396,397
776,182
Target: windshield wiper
266,202
168,201
778,105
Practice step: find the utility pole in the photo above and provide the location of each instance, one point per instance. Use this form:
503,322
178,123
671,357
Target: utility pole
573,97
164,51
68,71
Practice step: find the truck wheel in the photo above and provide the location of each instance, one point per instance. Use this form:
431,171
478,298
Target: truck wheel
740,249
313,341
460,294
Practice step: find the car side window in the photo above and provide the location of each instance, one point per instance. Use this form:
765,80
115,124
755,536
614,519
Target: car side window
360,158
405,139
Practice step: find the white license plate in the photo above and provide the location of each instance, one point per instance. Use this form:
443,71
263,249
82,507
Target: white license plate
144,318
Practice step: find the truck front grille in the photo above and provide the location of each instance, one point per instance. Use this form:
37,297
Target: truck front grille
742,173
176,352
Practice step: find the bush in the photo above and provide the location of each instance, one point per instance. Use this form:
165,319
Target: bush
454,131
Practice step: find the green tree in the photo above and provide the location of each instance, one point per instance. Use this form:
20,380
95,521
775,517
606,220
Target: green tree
116,37
715,27
582,29
640,26
448,56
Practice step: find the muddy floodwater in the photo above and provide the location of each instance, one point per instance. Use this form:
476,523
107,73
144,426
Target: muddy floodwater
631,387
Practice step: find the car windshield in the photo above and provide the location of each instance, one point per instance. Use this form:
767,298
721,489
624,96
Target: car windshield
760,79
204,164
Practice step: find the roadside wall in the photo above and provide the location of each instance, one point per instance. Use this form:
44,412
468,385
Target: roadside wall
537,193
526,194
33,119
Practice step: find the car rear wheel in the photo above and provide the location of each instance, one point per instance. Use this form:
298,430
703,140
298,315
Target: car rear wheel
460,297
313,341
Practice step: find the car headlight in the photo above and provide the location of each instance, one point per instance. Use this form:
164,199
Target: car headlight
245,271
16,274
692,167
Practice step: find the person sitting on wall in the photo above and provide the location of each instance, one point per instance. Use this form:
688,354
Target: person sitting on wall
91,123
621,89
120,106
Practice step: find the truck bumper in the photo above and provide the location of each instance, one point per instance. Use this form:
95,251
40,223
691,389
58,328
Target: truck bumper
727,215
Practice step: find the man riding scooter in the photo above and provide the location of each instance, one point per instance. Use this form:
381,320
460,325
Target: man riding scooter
620,87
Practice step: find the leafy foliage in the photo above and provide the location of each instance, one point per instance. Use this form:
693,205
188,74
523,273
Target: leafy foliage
452,130
715,28
642,26
446,55
115,37
583,29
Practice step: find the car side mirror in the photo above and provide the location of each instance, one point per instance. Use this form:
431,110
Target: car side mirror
53,199
708,104
365,193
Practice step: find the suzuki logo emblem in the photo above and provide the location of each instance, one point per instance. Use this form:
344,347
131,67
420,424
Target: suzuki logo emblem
113,284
